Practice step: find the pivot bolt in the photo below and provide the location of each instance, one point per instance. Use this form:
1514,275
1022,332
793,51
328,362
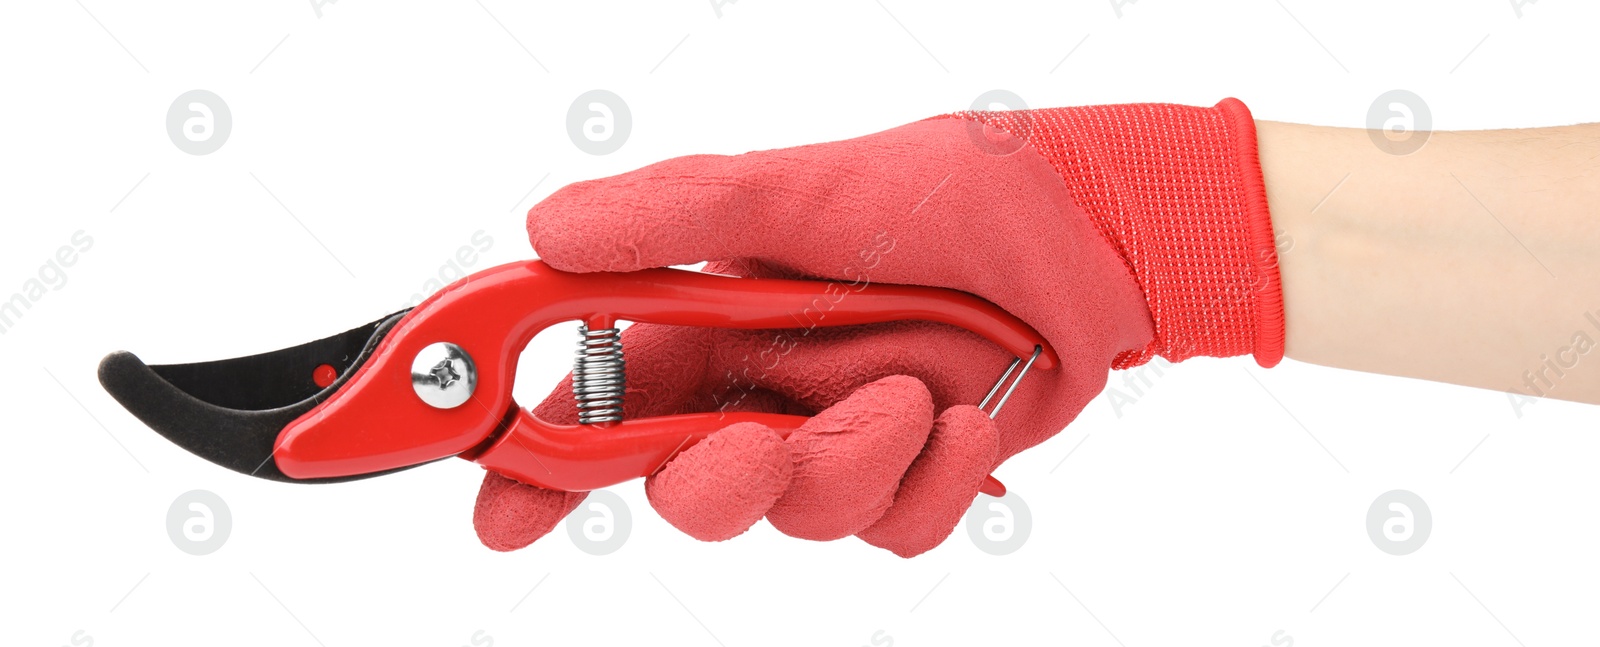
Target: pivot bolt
443,375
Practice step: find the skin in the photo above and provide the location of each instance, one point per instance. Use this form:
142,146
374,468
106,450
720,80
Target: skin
1473,260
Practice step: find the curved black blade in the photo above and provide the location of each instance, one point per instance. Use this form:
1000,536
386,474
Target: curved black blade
271,380
230,411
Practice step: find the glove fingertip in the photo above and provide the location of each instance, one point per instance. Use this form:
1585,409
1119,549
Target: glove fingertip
509,515
719,488
672,212
567,234
850,458
940,486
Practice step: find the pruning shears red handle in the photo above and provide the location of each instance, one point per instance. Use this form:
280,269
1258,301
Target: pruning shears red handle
435,381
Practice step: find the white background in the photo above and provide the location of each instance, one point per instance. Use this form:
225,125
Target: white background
1226,506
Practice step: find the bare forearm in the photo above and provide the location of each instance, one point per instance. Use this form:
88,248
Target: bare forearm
1474,260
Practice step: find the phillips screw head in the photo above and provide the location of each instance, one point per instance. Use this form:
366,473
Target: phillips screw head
443,375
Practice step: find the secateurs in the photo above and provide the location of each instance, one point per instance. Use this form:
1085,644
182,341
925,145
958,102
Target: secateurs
435,381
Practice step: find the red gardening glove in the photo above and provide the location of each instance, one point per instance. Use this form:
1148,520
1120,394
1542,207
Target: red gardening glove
1118,232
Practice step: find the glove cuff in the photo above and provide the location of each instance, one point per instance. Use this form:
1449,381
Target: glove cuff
1177,191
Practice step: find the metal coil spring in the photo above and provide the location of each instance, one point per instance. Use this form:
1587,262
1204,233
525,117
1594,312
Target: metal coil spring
597,375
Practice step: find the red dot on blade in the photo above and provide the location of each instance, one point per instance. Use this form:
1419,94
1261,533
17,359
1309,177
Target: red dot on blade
324,375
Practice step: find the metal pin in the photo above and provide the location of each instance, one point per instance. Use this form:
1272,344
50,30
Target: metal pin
1037,350
997,383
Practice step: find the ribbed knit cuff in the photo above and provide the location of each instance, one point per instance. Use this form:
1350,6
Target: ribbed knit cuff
1177,191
